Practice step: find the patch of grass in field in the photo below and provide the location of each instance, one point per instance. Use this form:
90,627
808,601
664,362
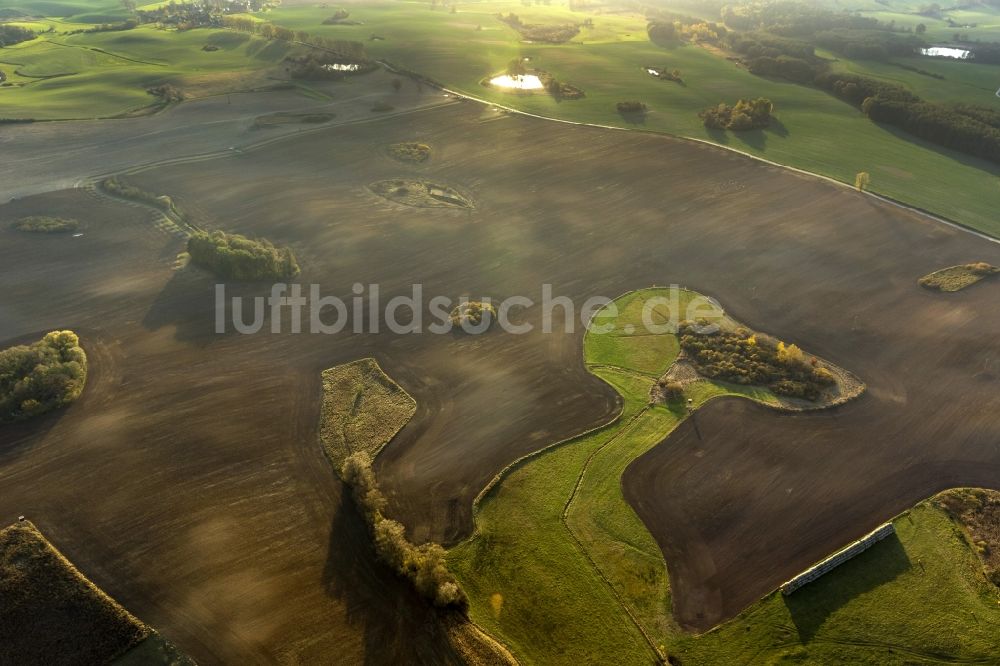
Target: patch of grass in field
916,598
362,410
46,225
957,278
559,564
50,613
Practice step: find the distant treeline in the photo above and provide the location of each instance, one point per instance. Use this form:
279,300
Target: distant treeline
552,34
40,377
966,128
14,34
237,257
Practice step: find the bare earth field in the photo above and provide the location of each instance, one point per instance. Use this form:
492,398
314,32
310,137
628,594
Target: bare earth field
188,481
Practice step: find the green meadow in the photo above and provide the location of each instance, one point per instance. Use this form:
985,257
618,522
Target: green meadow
563,572
814,131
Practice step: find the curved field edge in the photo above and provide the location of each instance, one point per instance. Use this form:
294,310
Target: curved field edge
816,133
362,410
561,568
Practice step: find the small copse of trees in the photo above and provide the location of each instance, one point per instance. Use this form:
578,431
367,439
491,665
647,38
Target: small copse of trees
237,257
425,565
40,377
472,313
741,357
745,115
631,107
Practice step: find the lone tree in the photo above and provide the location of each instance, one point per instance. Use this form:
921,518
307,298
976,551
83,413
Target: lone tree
921,28
861,181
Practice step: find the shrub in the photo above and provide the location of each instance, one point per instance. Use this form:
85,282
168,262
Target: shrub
46,225
631,107
410,151
239,258
472,313
40,377
673,391
118,188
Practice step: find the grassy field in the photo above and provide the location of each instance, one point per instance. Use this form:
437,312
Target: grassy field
814,131
561,568
363,409
60,76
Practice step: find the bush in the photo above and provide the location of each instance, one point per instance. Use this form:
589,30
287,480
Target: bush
425,565
472,313
237,257
46,225
410,151
632,107
40,377
673,391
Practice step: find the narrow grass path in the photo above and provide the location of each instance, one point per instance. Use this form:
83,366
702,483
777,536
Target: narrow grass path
563,571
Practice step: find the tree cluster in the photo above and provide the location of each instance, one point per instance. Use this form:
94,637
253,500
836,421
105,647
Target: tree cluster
338,16
745,115
166,93
14,34
868,44
117,188
472,313
740,357
424,565
969,129
550,34
237,257
45,375
631,107
791,18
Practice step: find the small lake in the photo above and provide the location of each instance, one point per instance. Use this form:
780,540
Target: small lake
946,52
342,67
521,82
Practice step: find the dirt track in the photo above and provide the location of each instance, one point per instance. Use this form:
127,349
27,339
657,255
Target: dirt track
191,486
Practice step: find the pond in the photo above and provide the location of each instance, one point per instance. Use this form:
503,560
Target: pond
946,52
342,67
517,82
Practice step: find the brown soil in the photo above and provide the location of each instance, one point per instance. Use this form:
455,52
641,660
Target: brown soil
188,481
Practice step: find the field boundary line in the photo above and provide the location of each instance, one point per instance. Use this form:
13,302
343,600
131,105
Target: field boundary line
880,197
626,428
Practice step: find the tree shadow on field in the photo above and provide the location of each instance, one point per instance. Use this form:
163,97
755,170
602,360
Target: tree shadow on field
777,128
811,605
187,302
398,626
720,136
755,138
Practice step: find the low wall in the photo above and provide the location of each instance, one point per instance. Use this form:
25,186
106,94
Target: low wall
838,558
